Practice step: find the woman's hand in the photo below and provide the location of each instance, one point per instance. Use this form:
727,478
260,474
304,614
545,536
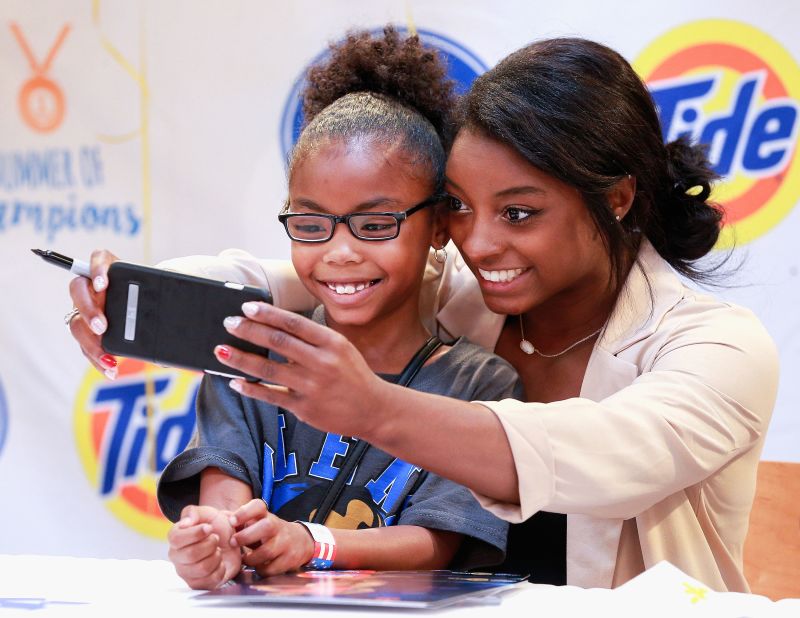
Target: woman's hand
326,383
89,298
276,546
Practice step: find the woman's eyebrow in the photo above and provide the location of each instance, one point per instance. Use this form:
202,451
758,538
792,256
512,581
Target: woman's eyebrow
523,190
448,181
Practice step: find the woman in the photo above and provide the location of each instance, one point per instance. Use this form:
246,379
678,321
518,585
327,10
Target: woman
648,402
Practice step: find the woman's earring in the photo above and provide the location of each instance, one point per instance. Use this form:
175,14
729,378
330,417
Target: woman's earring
440,254
617,218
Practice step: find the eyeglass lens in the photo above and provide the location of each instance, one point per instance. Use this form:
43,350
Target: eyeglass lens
366,225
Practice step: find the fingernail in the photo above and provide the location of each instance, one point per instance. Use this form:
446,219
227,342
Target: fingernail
186,521
232,520
250,309
206,528
111,373
99,283
235,385
232,321
223,352
108,360
98,325
233,542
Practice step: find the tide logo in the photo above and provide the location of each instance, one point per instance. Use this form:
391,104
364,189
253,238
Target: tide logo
463,66
736,89
128,430
41,101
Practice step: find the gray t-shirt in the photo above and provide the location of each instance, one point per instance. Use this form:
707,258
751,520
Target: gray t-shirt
291,465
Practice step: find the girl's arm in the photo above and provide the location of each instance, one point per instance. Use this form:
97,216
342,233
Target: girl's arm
282,546
223,492
395,548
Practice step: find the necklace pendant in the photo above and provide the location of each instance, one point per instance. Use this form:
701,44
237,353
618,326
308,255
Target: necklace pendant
527,347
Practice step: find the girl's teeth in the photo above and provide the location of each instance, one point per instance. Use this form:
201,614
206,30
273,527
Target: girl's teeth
500,275
347,288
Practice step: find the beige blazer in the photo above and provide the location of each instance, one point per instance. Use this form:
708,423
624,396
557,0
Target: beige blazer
656,460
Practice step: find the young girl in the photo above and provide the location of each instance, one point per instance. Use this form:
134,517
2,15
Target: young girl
364,182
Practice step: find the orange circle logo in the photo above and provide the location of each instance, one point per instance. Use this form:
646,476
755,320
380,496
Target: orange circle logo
41,104
128,430
736,89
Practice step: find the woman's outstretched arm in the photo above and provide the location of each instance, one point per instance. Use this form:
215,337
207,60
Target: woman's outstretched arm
706,400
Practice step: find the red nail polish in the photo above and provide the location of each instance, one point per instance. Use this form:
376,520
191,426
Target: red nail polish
223,352
108,360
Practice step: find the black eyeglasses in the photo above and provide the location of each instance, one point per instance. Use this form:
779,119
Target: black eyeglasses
318,227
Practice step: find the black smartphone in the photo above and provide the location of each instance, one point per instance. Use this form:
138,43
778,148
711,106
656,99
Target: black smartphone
172,319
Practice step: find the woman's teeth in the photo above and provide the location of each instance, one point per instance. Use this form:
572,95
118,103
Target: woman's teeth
501,275
348,288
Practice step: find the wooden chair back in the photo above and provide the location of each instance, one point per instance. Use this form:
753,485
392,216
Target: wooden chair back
772,547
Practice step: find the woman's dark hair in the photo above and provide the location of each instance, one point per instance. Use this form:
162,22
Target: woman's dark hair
576,110
387,88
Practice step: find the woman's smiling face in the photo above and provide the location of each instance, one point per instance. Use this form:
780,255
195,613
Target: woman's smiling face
527,236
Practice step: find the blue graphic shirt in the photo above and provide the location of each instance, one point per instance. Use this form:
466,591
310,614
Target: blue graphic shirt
291,465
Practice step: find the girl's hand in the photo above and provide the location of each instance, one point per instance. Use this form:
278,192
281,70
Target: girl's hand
276,546
200,549
326,383
89,298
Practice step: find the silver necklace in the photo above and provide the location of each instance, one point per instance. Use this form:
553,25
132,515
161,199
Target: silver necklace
527,347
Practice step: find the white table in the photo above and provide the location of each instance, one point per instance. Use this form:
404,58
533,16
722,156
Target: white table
151,589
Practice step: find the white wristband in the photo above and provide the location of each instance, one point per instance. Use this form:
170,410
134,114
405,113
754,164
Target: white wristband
324,546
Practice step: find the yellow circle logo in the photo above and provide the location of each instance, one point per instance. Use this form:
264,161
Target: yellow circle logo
127,432
736,89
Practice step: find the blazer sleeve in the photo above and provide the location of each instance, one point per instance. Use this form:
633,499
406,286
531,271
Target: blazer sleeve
278,276
440,281
706,398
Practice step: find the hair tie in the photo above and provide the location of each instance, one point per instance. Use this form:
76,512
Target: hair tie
692,191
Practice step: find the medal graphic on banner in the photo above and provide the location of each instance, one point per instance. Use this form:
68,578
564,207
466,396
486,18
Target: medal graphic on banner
735,88
128,430
41,101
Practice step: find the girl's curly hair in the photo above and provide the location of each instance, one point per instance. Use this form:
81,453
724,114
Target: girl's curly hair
387,87
391,65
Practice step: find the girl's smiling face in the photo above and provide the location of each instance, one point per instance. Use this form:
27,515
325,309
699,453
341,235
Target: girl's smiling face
364,282
527,236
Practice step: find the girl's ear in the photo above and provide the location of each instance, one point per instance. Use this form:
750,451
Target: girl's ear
440,236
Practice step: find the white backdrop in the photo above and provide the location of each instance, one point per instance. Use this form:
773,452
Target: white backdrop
154,128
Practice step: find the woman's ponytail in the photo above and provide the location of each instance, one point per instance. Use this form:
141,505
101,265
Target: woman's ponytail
685,225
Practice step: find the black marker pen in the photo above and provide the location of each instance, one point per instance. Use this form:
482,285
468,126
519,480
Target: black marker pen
76,267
